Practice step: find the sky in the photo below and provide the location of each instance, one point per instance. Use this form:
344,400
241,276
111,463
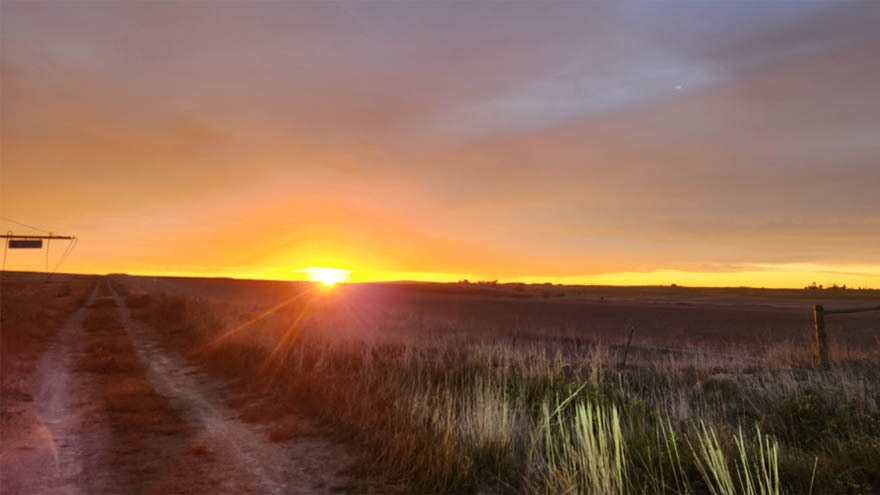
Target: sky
697,143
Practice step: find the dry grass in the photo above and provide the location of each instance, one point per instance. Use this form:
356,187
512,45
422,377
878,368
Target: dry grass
108,350
458,411
32,310
285,431
146,430
103,357
200,450
124,389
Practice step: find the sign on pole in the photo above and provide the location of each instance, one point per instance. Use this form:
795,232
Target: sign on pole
25,243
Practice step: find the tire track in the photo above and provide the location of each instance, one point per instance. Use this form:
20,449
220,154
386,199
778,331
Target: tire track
65,443
246,462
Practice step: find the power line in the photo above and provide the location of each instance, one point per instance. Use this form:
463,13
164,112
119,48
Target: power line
10,238
64,256
24,225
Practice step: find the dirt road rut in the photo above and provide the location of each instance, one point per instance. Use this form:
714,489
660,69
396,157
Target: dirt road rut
69,435
245,460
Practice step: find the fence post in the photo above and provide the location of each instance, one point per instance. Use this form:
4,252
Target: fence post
632,329
821,336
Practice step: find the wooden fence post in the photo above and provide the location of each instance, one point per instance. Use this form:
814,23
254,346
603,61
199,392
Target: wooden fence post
632,329
821,336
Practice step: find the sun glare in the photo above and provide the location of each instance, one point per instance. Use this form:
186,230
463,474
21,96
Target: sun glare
326,276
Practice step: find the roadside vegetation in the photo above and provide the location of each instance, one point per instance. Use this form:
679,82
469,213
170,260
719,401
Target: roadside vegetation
32,311
450,409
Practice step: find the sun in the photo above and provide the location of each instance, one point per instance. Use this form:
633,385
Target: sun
326,276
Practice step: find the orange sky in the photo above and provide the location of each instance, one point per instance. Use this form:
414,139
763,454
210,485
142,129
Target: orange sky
609,143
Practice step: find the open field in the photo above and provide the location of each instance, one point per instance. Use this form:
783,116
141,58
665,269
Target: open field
481,388
137,384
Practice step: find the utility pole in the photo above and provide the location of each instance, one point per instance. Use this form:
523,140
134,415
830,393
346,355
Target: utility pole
17,241
31,241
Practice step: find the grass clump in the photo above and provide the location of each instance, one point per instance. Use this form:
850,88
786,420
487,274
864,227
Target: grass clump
748,474
584,450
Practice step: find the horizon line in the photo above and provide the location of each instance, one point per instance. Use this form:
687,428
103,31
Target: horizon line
464,281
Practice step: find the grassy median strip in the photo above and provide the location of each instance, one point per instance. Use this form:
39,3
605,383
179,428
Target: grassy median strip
147,432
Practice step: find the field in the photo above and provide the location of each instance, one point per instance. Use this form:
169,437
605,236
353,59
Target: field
476,388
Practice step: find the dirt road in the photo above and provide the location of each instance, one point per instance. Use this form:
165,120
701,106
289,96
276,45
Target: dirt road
243,459
68,434
68,445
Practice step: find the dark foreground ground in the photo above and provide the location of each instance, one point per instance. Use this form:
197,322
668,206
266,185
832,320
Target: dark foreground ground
127,384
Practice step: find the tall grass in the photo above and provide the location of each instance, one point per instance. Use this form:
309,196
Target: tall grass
450,412
583,450
753,474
